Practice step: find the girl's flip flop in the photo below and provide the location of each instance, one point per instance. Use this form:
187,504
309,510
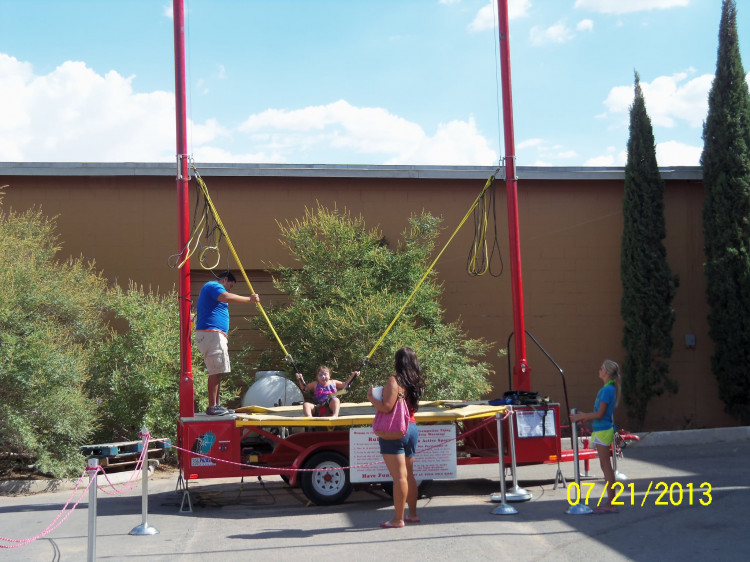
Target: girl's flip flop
412,520
389,525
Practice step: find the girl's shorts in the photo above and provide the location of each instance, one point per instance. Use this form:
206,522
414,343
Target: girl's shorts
604,437
407,445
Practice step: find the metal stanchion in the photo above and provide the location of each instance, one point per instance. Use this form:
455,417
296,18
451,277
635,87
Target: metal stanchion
503,508
578,508
586,462
144,528
92,467
516,493
619,476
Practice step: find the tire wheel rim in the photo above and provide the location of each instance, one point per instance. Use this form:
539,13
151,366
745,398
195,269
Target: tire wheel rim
330,481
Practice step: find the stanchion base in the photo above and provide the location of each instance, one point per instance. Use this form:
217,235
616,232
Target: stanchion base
504,509
517,494
144,529
186,496
497,497
579,509
559,480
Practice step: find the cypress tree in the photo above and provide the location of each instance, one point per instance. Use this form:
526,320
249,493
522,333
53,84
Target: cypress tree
648,286
726,216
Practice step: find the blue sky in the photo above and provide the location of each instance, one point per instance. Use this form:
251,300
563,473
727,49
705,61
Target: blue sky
355,81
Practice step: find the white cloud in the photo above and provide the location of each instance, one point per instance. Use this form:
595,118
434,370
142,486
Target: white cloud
546,154
75,114
670,153
557,33
668,98
448,2
626,6
169,11
518,8
456,142
585,25
369,131
566,155
673,153
611,158
530,143
487,14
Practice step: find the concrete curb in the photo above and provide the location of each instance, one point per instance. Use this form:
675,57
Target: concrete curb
30,487
692,436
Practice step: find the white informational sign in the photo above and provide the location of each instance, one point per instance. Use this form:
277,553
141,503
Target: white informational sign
435,457
535,423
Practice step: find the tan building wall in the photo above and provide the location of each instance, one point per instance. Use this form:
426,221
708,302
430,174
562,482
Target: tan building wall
124,216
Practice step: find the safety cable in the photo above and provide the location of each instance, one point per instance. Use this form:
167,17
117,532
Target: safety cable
202,221
220,225
487,185
210,208
480,258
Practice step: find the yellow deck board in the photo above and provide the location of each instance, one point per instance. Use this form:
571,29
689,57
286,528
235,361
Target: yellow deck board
359,414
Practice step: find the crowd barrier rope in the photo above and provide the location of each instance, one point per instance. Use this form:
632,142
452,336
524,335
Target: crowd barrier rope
78,493
282,470
78,496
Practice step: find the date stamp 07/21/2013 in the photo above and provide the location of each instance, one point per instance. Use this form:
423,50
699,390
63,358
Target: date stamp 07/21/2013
661,493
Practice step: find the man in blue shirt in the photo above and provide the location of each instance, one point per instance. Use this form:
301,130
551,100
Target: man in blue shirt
211,329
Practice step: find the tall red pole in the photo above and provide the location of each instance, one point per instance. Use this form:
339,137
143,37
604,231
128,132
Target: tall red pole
186,389
521,369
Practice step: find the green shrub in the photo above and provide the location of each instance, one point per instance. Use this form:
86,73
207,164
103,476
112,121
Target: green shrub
137,366
80,363
348,286
50,312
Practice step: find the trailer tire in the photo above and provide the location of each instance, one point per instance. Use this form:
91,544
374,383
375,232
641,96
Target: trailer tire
326,487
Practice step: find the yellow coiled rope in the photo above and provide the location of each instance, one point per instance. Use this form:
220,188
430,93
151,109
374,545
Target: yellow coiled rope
214,213
479,198
217,218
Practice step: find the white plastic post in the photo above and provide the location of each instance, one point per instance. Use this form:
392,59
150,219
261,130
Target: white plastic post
503,508
619,476
579,508
144,528
516,493
92,467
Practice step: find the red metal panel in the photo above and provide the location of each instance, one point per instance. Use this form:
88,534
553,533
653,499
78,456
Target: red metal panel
216,439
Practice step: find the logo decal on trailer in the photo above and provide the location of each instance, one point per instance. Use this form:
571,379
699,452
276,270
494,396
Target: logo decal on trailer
202,445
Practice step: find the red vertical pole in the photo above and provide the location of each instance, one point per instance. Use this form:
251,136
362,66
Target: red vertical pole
521,369
186,389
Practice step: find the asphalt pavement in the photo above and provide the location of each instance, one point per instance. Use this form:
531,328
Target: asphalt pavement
669,513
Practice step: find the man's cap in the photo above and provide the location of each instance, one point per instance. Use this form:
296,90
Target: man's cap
229,275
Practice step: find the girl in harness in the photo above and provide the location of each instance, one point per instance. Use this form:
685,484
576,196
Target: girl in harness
324,392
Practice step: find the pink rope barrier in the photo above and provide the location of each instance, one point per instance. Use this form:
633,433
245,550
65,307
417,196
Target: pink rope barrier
281,470
65,512
134,477
56,522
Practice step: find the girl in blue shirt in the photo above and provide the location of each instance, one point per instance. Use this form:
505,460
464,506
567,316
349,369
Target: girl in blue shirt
603,427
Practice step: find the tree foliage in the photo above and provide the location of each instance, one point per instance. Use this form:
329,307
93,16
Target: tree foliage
45,351
726,219
348,286
80,362
137,365
648,285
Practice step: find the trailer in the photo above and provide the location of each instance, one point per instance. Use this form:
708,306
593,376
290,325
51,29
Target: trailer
314,453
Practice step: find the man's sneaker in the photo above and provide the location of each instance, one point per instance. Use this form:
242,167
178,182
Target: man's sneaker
218,410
